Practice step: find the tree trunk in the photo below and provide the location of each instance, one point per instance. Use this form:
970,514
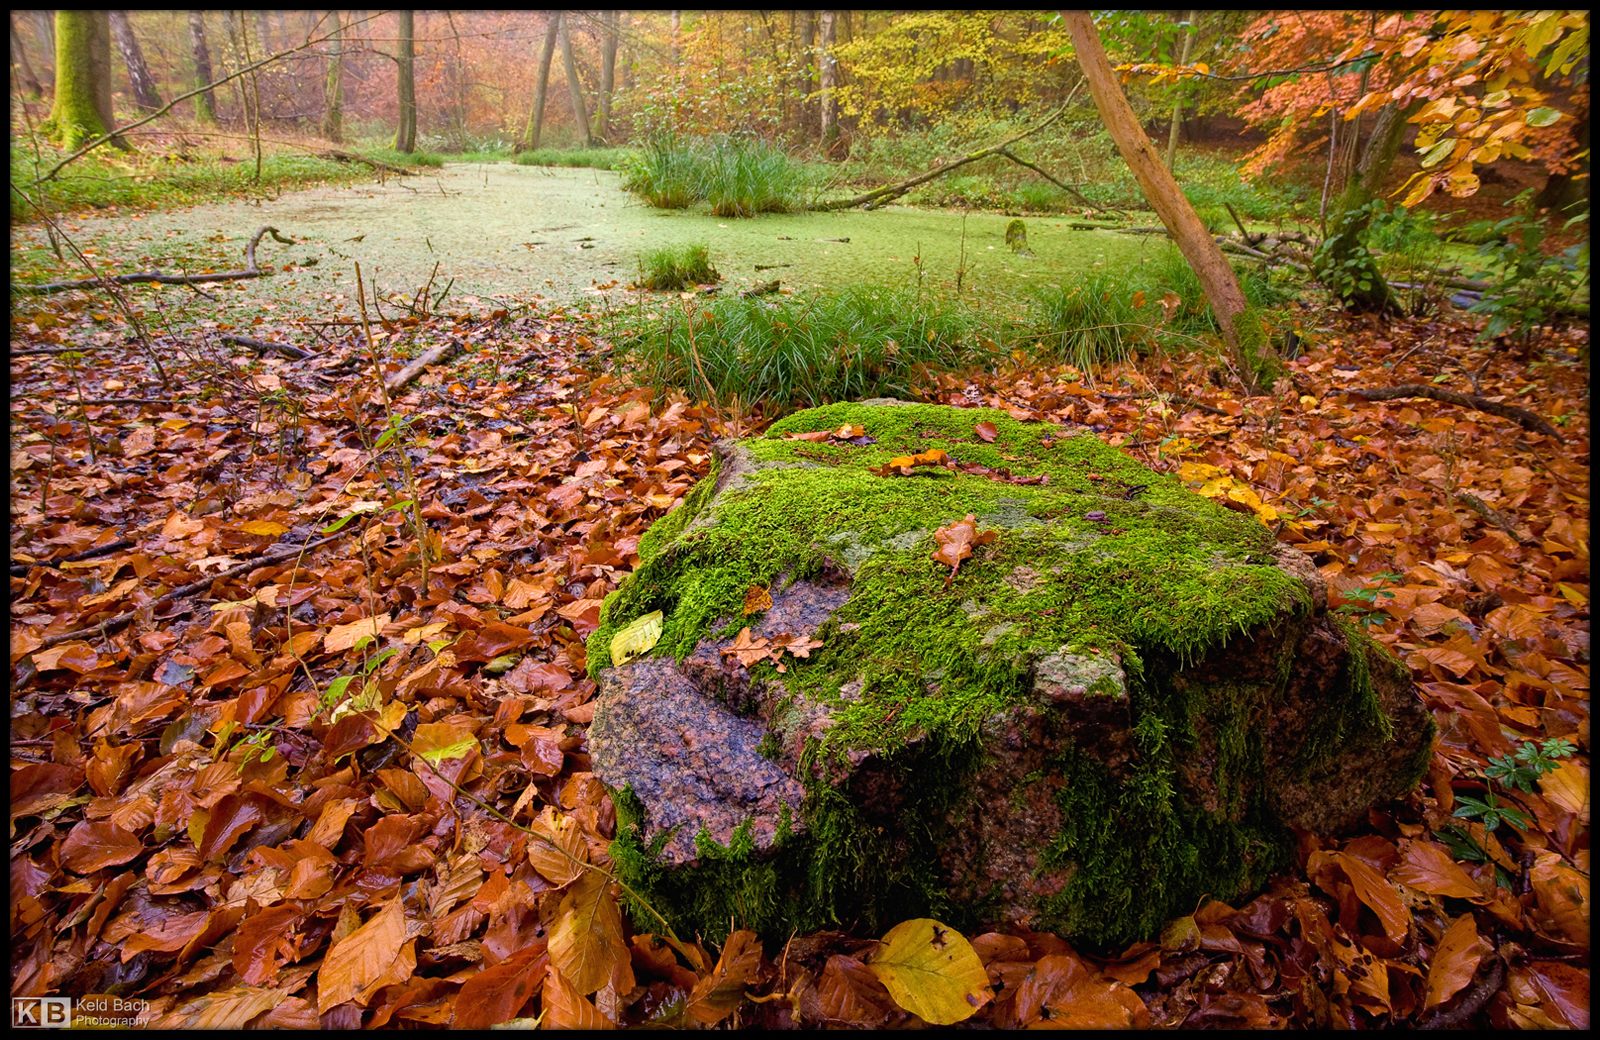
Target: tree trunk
608,73
808,83
333,84
144,88
1190,25
19,58
1342,263
264,31
580,111
1241,327
827,71
82,109
205,102
405,136
541,86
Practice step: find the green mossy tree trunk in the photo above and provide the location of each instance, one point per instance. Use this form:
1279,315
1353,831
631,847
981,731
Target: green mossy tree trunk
1343,262
405,136
82,109
205,102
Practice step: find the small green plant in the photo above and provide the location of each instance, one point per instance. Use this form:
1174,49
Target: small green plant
1528,288
678,269
1531,761
1361,605
1519,770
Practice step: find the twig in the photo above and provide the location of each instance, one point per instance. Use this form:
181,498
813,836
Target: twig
250,271
105,627
435,356
1069,189
1521,416
1494,516
261,346
1471,1000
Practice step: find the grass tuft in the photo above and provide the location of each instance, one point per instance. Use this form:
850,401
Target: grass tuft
678,269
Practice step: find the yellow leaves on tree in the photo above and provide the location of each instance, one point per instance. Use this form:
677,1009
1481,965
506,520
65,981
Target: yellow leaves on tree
956,543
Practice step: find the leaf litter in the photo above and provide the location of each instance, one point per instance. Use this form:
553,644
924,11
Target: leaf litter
261,777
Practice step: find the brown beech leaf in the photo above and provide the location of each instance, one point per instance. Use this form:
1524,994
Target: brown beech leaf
1427,867
986,431
94,846
377,954
586,938
719,994
904,464
496,994
566,1008
562,853
1454,961
800,646
956,543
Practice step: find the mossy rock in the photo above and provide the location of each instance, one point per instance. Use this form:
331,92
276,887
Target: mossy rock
1119,705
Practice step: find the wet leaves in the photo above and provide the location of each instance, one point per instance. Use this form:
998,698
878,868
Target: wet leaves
266,795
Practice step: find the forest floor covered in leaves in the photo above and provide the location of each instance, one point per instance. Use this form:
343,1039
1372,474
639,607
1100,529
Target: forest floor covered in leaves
261,776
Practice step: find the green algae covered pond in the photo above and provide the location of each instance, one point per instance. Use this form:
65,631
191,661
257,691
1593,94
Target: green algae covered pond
502,230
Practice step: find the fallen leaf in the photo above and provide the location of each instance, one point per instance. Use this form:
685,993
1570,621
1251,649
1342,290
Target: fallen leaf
343,637
719,994
931,971
747,650
377,954
639,636
986,431
586,937
756,600
956,543
1454,961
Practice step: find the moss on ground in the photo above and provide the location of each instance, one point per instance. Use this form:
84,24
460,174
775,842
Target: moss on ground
1106,557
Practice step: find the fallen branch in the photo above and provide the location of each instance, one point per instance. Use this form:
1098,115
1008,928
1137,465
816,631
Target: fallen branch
894,191
111,624
339,155
1069,189
1494,516
436,356
1521,416
261,346
250,271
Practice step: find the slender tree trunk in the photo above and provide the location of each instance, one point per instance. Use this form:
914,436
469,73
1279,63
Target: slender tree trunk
405,136
1177,103
1342,262
19,59
264,31
205,102
541,86
808,83
82,108
626,57
580,111
608,73
826,66
144,88
333,84
1241,327
233,33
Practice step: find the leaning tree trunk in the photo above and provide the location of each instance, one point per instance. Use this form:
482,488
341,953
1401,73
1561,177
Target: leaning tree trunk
405,135
1241,327
82,109
205,102
19,57
144,88
541,86
1342,263
580,111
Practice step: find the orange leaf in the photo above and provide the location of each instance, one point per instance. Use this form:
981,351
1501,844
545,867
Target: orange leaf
379,953
746,649
986,431
956,543
756,600
566,1008
1379,895
1454,961
1427,867
94,846
586,938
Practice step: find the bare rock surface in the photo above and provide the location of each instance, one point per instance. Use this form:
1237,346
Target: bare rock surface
1126,700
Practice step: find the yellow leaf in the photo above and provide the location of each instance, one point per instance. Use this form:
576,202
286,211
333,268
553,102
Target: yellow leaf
586,939
343,637
756,599
931,971
558,851
267,527
637,637
1573,594
437,741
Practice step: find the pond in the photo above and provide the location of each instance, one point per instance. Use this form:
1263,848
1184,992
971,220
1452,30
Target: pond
502,229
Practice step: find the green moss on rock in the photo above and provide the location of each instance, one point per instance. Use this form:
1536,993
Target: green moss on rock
915,797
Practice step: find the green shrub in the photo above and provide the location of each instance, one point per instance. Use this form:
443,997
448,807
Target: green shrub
667,172
745,177
1529,289
678,269
1100,318
796,353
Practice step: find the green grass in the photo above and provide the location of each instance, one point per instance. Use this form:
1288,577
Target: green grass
389,155
678,269
738,177
150,180
800,352
592,158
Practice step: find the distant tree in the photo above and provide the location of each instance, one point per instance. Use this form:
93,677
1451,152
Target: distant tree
580,112
19,61
541,85
82,108
828,65
144,87
205,102
333,83
608,73
405,136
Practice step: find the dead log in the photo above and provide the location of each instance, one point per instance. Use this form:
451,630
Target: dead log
1521,416
339,155
261,346
436,356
